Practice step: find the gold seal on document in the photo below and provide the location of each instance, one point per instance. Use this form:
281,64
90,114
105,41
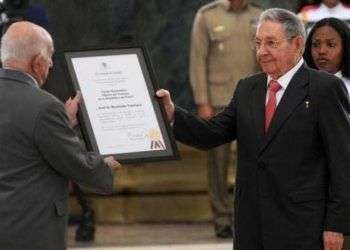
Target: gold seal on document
156,139
154,134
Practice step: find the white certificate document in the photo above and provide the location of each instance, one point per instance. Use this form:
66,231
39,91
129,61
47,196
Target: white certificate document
118,103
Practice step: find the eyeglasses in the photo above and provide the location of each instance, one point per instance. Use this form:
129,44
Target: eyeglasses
270,44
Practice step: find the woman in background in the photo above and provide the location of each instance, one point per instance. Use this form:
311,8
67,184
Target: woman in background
328,48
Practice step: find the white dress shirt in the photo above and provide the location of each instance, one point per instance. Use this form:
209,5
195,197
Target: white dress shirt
284,81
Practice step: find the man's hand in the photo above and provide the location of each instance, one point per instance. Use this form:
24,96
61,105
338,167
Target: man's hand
333,240
112,163
72,106
205,111
167,102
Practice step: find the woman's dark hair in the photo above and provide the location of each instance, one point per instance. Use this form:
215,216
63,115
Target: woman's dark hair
343,30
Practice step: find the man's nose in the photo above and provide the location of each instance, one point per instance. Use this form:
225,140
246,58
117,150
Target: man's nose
261,51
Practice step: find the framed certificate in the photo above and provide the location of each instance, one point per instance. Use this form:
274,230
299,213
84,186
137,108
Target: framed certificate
120,114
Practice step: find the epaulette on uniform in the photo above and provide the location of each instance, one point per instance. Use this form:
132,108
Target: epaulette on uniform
255,5
211,5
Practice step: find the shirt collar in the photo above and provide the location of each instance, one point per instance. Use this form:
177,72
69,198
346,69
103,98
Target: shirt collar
339,74
285,79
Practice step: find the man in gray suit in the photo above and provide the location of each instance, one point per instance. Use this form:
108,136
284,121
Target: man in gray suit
39,151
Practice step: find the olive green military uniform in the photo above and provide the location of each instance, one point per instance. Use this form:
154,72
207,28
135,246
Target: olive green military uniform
220,55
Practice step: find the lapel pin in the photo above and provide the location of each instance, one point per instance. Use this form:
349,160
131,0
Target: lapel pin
307,104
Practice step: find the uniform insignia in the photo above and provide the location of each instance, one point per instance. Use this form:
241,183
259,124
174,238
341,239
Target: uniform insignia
219,28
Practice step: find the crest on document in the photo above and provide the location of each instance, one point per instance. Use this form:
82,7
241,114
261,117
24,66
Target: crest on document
156,139
105,66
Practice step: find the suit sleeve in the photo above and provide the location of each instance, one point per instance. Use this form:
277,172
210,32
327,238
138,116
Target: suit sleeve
63,150
202,134
334,126
198,59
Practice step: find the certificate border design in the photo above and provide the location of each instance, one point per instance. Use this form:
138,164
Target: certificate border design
171,151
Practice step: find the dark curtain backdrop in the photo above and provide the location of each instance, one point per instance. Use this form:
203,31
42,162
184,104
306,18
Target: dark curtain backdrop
162,26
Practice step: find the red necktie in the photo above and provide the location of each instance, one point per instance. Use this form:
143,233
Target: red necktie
271,105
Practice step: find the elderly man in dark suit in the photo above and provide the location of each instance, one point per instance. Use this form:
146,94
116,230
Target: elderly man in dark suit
39,150
292,128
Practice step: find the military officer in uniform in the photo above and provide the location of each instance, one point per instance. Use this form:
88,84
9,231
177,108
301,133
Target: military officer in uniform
220,55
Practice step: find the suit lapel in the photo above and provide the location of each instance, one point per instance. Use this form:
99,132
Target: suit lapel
257,106
293,95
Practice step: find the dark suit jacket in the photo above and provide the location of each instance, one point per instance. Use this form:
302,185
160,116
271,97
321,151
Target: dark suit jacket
39,152
293,182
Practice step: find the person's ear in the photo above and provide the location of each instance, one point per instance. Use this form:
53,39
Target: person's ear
299,43
37,64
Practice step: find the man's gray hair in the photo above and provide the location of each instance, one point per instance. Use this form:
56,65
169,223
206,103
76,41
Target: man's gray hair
291,22
25,47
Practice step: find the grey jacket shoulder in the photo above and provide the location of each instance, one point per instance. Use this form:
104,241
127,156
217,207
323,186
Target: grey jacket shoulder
25,87
30,100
